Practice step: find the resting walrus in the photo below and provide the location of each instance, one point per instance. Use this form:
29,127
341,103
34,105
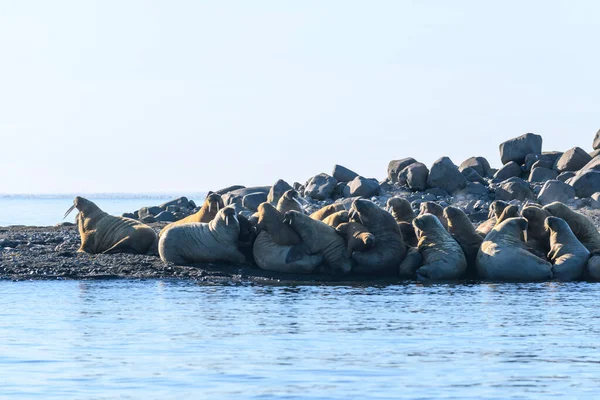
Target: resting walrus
504,256
103,233
337,218
431,207
201,242
211,206
442,256
389,249
326,211
568,256
463,231
357,237
538,236
289,201
495,211
403,214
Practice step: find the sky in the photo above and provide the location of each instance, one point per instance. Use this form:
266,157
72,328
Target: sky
187,96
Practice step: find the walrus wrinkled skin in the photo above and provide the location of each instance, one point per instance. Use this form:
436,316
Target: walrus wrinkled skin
568,256
103,233
326,211
494,212
289,201
201,242
504,255
585,231
463,231
318,238
211,206
431,207
271,220
337,218
357,237
538,235
389,249
271,256
400,209
442,256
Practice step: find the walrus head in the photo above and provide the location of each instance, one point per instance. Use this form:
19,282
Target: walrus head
555,224
456,217
214,201
227,215
536,217
430,207
516,227
267,214
400,208
363,210
82,205
496,208
563,211
426,223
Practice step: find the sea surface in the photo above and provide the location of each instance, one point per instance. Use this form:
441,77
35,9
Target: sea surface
48,210
161,339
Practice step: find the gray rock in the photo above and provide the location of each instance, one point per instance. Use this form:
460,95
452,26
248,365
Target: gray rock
437,192
445,175
563,177
474,189
395,166
595,201
514,189
179,202
428,197
191,204
166,216
341,190
173,209
416,176
277,190
229,189
516,149
472,176
136,214
572,160
586,183
511,169
593,164
251,201
542,164
551,156
542,174
236,196
149,211
530,159
362,187
555,190
594,153
129,215
320,187
343,174
148,219
479,164
596,143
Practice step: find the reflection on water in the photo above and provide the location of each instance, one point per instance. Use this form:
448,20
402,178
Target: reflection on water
169,339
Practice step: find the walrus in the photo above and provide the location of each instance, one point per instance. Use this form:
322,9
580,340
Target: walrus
289,201
495,211
107,234
400,209
568,256
326,211
246,237
411,263
463,231
357,237
538,235
211,206
510,211
203,242
584,230
504,255
389,249
318,238
271,256
442,256
431,207
271,220
337,218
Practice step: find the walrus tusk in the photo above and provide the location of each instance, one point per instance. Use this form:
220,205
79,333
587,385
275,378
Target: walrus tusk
210,207
300,204
217,207
227,220
69,211
361,221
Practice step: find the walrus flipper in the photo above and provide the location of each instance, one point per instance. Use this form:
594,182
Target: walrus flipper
122,246
296,253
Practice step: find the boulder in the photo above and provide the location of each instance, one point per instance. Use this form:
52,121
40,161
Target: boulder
518,148
251,201
593,164
437,192
320,187
542,164
479,164
572,160
595,201
594,153
514,189
416,176
542,174
277,190
362,187
596,143
563,177
551,156
148,211
173,209
586,183
148,219
555,190
179,202
343,174
236,196
229,189
511,169
445,175
129,215
166,216
472,176
395,166
341,189
474,189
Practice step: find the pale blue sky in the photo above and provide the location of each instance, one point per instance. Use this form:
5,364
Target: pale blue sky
154,96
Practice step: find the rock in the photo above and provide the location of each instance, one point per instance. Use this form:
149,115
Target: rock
362,187
148,219
320,187
251,201
479,164
542,164
395,166
542,174
596,142
514,189
472,176
277,190
572,160
445,175
229,189
518,148
565,175
593,164
166,216
594,153
474,189
551,156
416,176
192,205
149,211
511,169
8,243
341,190
129,215
437,192
586,183
595,201
136,214
179,202
173,209
236,196
343,174
555,190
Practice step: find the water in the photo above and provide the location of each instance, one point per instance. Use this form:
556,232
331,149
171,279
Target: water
172,340
49,210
